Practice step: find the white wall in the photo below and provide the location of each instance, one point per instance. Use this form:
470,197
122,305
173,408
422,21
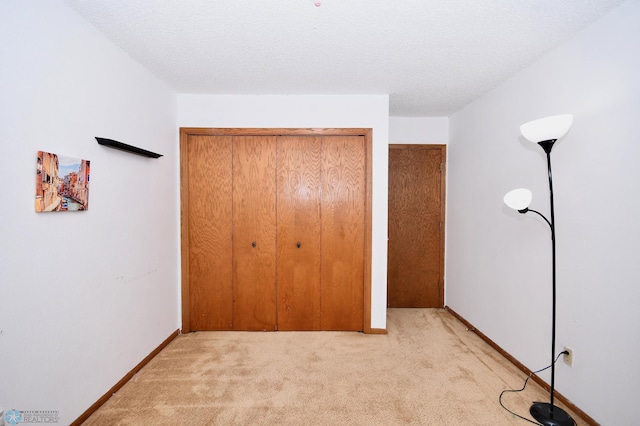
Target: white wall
313,112
85,295
419,130
499,262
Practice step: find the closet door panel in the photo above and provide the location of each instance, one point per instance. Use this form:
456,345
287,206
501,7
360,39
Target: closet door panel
210,217
342,240
254,233
298,219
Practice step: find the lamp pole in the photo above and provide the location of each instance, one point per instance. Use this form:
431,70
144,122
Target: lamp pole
545,132
549,414
553,268
542,412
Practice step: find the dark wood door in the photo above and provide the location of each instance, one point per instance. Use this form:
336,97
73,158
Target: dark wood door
254,233
343,232
210,232
299,187
416,223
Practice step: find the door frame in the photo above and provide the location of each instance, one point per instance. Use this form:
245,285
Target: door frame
185,132
443,197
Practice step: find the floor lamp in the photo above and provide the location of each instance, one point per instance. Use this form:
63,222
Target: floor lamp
545,132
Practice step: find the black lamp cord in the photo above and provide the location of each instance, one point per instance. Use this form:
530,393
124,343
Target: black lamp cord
524,386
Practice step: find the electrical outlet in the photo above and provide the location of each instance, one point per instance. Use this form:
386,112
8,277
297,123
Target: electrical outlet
568,358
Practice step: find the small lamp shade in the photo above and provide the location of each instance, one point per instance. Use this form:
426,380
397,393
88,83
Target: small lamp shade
518,199
548,128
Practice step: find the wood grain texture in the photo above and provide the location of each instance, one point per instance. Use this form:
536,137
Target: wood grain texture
415,248
368,230
365,293
276,131
184,231
210,239
254,221
299,188
343,233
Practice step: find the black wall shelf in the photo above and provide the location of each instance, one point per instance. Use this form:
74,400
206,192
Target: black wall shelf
128,148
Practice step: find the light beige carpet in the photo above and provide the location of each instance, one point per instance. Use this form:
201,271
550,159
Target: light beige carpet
428,370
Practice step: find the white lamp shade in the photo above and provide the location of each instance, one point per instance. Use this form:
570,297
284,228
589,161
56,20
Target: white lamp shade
547,128
518,199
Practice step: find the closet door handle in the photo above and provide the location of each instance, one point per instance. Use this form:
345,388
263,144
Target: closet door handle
253,243
298,245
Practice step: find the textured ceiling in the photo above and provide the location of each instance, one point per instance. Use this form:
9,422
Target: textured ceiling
432,57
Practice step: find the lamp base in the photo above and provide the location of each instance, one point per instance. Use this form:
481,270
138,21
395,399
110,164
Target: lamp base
542,412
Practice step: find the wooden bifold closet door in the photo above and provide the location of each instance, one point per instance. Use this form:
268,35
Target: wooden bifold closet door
299,228
254,233
209,232
342,232
276,230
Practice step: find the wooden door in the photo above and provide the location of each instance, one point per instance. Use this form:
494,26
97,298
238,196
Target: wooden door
254,233
416,226
209,233
298,255
343,232
232,197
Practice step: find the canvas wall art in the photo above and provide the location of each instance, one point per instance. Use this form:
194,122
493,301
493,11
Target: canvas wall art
62,183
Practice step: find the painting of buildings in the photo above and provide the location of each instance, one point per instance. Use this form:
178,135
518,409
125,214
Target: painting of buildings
62,183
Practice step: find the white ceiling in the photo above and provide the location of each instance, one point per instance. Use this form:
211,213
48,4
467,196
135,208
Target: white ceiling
432,57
